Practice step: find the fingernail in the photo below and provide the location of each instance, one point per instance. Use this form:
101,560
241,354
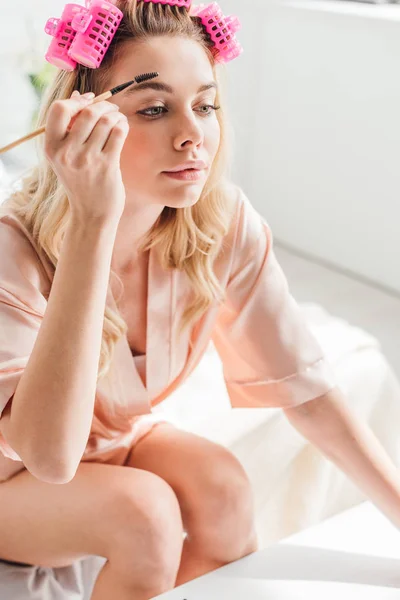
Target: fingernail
74,93
89,95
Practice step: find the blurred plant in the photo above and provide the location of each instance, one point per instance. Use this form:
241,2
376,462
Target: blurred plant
39,82
32,48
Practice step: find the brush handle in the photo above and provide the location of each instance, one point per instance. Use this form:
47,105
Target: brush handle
33,134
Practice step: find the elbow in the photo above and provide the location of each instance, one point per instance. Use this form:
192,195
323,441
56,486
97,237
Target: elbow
39,458
50,473
48,468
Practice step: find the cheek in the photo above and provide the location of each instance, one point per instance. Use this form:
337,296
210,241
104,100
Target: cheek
212,138
138,151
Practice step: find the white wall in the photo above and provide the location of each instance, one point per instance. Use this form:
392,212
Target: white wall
318,122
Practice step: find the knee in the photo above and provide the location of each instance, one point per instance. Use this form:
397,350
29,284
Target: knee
223,514
149,537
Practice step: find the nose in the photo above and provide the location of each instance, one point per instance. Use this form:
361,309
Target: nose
189,134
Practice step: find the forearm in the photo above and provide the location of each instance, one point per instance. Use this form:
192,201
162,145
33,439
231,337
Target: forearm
351,445
52,409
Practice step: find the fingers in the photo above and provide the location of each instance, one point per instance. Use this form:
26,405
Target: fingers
75,93
76,125
60,115
116,139
86,121
102,130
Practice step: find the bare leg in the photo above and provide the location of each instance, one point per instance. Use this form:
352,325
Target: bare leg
214,494
109,585
196,560
128,516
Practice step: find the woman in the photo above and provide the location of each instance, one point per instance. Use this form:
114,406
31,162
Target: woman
83,358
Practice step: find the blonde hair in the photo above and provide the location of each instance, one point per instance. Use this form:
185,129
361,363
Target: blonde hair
190,238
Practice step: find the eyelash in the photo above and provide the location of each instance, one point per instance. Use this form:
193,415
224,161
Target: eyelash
152,117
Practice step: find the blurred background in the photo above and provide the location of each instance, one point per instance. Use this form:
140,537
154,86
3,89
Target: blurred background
314,100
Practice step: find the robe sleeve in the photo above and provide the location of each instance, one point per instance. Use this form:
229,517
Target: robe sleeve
22,307
269,355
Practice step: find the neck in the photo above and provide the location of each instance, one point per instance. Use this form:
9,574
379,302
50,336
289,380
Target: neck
133,226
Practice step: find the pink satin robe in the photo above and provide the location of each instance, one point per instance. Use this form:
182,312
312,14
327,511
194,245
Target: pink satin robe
270,357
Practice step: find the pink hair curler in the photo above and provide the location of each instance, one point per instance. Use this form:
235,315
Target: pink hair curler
82,34
221,30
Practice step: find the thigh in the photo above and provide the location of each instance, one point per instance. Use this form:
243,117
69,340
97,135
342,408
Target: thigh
202,473
53,525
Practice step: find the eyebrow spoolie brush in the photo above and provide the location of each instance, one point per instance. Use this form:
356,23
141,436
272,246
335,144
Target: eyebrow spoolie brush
99,98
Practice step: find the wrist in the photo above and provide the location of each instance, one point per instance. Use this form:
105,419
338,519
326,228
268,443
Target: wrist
92,232
93,225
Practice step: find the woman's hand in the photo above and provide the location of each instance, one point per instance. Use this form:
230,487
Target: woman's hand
83,143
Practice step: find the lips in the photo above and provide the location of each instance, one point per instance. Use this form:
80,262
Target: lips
184,171
196,165
188,175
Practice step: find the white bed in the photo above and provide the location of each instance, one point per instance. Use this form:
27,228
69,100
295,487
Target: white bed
294,485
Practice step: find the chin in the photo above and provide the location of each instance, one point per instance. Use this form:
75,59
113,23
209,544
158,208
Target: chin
190,198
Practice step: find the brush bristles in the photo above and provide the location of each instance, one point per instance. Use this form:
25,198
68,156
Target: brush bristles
145,77
138,79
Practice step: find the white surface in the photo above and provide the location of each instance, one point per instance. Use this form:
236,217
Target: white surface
359,530
281,590
355,555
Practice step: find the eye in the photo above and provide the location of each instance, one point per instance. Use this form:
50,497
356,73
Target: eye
156,111
210,108
147,112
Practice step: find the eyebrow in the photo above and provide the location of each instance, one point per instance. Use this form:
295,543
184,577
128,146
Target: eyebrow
163,87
